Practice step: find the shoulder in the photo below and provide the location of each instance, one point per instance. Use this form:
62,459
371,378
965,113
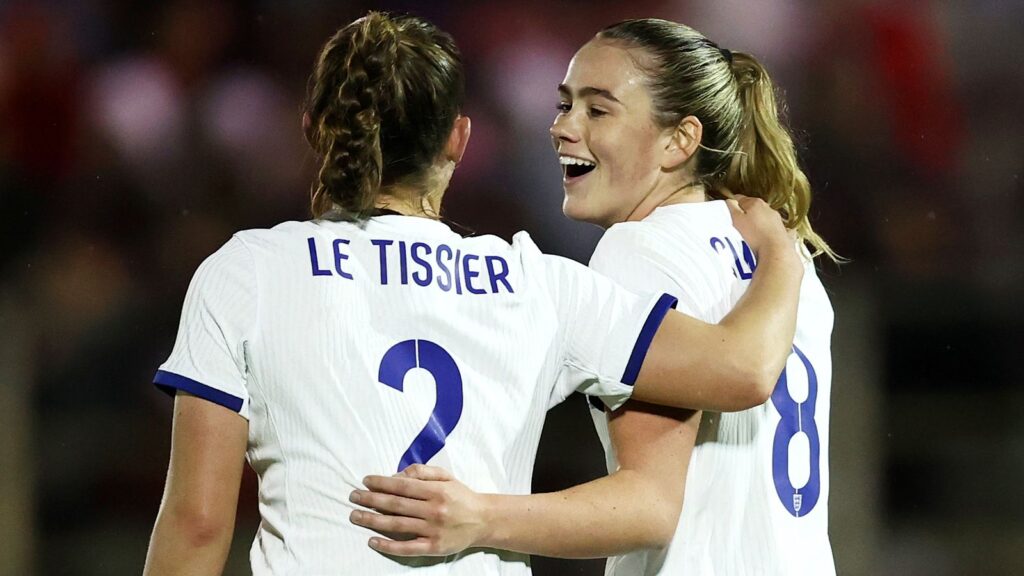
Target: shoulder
627,234
552,267
670,231
522,249
234,254
664,240
281,233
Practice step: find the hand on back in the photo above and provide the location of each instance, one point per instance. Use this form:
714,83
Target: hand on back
423,511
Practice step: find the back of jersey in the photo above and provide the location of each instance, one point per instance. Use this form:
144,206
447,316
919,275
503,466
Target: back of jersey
757,487
359,349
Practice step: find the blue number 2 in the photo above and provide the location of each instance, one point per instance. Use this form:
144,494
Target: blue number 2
796,417
397,362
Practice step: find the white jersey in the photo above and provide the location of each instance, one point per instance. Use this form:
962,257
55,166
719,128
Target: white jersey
756,500
356,350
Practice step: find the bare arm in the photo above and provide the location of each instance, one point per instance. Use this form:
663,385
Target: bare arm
197,515
635,507
732,365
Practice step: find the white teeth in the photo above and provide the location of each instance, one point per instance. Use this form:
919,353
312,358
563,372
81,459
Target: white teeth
569,160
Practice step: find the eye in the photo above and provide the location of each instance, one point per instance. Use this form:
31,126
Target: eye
564,107
596,112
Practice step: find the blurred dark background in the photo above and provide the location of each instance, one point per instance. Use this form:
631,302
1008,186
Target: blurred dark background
136,137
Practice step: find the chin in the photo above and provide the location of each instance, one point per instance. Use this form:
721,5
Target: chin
579,211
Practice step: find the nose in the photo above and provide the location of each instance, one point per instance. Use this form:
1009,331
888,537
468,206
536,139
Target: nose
563,129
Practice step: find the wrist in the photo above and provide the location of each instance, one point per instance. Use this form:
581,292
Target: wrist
490,533
778,248
784,254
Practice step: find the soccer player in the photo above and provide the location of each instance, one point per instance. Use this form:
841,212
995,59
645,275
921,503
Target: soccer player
653,120
373,337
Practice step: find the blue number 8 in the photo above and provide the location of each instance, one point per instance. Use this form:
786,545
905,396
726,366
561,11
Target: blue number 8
796,417
397,362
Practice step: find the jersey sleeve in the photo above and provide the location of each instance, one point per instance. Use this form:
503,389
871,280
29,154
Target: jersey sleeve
605,330
641,262
218,318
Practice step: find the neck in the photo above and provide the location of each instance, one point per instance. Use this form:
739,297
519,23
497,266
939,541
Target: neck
422,200
692,191
411,203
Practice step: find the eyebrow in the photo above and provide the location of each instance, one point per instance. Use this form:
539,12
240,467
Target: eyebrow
589,91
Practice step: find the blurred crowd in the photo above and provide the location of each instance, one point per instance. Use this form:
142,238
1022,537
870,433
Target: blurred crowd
136,137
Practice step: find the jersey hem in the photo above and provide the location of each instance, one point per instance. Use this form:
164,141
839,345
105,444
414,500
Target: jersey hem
643,341
170,383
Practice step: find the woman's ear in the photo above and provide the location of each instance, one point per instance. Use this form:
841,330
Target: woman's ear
307,129
458,139
683,143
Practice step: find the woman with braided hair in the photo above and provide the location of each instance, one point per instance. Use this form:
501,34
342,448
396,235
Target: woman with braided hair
373,338
655,122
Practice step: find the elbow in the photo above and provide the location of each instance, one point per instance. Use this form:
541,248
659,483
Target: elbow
754,385
200,527
763,384
661,531
662,524
655,510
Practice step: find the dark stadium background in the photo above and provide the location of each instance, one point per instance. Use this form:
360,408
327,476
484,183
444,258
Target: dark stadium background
135,137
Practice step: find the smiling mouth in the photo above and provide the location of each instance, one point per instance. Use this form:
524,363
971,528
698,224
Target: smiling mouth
577,170
574,168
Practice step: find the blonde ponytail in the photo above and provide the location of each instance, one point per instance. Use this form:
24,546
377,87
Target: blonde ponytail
764,163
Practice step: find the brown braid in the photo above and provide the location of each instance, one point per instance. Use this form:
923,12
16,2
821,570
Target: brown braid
383,98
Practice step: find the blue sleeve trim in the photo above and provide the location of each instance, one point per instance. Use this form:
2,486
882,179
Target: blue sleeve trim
643,342
170,382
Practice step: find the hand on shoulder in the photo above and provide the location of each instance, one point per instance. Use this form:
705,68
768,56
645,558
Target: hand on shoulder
762,227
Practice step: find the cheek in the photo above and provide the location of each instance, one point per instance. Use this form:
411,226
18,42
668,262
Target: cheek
631,171
634,155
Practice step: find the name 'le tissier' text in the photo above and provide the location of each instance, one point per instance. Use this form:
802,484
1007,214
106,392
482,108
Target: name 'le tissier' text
414,264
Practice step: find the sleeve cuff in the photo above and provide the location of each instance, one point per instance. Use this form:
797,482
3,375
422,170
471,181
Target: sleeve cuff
170,382
643,341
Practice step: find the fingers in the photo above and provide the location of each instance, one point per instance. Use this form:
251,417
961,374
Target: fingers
400,486
397,525
424,472
391,504
425,540
748,203
753,207
417,547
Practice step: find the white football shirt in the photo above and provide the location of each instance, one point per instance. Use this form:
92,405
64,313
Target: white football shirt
756,500
356,350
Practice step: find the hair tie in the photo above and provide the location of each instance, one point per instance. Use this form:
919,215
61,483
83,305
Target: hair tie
727,54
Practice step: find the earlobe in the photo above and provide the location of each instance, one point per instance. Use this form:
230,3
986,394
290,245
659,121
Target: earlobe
458,140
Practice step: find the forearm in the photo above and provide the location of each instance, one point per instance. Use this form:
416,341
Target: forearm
197,513
181,545
636,507
762,324
611,515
